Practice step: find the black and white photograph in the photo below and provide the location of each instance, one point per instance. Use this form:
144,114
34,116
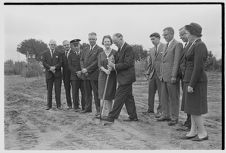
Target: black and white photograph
112,76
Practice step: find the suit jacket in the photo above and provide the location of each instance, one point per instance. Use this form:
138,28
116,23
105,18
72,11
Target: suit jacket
66,70
195,59
181,70
55,60
124,65
74,65
155,61
170,61
89,60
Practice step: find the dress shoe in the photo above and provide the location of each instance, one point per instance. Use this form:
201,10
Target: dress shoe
76,108
172,122
183,128
69,107
108,119
199,139
131,119
59,108
48,108
188,137
158,115
163,119
86,111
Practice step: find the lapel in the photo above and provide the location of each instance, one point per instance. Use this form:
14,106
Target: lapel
122,50
91,52
169,47
191,46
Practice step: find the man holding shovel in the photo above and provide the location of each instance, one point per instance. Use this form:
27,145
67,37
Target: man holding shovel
124,67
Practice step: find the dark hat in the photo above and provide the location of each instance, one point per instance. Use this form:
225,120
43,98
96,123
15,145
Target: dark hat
197,28
75,41
155,34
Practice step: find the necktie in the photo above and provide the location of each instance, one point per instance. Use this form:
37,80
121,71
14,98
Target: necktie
167,45
155,51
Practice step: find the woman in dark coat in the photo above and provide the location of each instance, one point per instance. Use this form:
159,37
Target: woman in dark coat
195,82
103,58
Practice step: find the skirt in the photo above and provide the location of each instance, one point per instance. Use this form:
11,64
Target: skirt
196,102
111,86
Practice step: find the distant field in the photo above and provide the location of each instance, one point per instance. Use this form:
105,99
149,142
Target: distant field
29,126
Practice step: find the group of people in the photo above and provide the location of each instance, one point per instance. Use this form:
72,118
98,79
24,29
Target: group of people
109,75
171,64
92,70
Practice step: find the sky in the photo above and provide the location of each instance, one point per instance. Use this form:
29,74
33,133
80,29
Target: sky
135,22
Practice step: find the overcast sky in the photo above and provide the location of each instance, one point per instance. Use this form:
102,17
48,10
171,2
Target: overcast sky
135,22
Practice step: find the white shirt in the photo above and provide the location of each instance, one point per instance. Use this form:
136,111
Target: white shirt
170,42
157,46
51,52
92,47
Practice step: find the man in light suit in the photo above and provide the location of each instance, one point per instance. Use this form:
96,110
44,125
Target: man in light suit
52,61
89,66
124,67
169,78
153,73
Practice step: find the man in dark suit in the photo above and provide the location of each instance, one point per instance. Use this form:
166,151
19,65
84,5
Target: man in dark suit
170,79
153,73
182,34
76,77
89,65
124,67
52,61
67,72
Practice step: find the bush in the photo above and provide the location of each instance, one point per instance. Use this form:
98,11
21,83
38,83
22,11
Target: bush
32,70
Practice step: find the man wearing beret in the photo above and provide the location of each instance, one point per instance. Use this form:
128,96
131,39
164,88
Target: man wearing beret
52,62
89,65
76,78
67,72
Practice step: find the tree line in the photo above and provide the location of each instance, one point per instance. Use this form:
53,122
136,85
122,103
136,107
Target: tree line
33,50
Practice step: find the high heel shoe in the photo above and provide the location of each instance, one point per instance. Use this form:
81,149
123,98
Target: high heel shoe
200,139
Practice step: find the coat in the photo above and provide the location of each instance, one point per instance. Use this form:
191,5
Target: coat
55,60
170,61
124,65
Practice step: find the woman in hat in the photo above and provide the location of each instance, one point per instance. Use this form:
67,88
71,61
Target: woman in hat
103,58
195,82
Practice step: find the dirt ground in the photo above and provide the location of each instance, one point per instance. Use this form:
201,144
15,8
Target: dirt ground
28,126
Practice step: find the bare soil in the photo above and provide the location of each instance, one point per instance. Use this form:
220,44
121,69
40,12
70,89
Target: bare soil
28,126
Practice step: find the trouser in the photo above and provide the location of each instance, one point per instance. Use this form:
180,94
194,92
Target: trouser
123,96
57,87
67,87
154,84
89,86
76,86
170,99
